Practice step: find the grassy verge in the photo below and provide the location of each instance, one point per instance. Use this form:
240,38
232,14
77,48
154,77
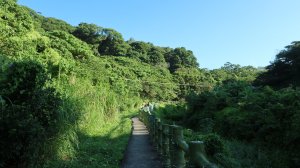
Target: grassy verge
102,147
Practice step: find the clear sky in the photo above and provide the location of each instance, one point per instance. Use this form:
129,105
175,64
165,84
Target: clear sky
245,32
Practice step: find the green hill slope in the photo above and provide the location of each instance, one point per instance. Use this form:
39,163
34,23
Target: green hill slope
61,103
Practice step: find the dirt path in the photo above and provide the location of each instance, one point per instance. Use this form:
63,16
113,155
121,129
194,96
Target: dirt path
140,152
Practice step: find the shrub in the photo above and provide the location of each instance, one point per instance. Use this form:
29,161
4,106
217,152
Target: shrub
29,113
213,144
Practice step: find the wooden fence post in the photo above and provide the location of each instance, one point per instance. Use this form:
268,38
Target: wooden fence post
151,125
177,155
156,142
166,143
160,138
147,120
198,156
143,116
169,143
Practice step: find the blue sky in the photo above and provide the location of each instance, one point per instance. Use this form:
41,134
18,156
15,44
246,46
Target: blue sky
245,32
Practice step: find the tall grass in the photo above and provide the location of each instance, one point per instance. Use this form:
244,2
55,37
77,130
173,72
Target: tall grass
93,117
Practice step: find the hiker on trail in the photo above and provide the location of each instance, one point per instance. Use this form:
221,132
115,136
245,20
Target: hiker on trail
147,108
151,107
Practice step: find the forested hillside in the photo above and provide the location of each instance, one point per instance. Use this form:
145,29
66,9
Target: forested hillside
68,92
247,119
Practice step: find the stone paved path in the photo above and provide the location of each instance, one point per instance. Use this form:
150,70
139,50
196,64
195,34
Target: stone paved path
140,152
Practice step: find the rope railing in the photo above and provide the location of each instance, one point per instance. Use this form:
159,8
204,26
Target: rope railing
170,144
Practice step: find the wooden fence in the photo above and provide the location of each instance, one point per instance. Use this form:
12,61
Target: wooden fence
170,144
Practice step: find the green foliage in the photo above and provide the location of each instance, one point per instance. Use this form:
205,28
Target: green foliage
156,57
180,57
192,80
284,70
52,24
163,57
236,110
171,113
140,47
147,52
14,20
213,144
94,146
130,76
59,108
69,46
29,113
90,33
234,72
113,43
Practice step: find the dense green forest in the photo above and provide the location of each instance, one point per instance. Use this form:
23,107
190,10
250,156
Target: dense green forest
68,92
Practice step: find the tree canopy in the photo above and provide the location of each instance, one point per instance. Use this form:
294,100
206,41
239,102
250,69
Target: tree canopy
285,69
90,33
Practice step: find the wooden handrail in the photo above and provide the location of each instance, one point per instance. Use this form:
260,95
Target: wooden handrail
170,144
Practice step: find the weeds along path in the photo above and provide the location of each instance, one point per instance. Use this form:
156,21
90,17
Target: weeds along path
140,152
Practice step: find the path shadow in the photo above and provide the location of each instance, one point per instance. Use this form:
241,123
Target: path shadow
97,151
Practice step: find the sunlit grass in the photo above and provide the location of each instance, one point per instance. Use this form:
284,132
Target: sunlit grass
99,136
99,148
